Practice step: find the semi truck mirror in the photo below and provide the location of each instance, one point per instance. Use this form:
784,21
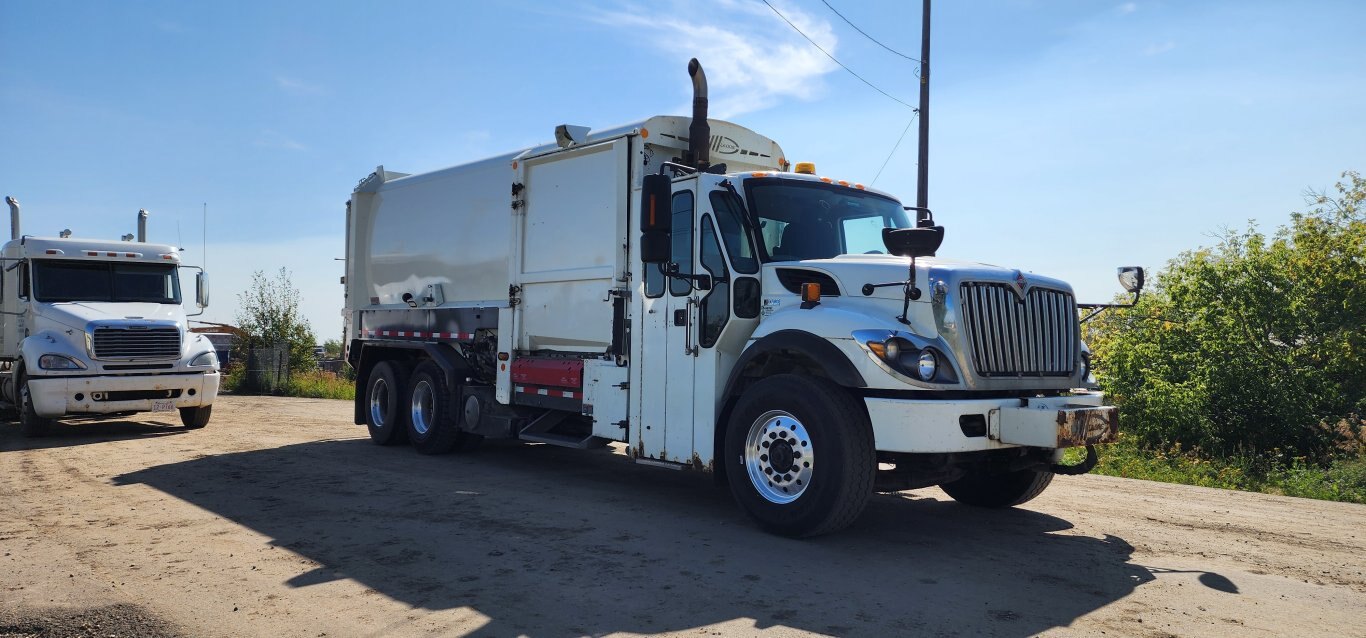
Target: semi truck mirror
201,289
1131,277
656,221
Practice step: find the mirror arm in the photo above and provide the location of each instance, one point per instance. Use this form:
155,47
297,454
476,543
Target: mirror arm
1097,308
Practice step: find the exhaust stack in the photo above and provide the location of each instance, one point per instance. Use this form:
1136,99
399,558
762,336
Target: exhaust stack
699,132
13,217
142,225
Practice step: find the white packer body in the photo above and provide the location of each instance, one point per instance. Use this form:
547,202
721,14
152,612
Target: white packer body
459,238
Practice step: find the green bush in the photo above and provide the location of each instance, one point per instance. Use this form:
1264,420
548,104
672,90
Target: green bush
320,384
1252,347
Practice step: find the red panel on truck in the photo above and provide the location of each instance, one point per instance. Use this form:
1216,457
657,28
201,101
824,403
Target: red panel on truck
561,373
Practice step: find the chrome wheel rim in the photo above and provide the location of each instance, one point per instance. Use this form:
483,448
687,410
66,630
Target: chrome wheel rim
379,402
422,408
779,457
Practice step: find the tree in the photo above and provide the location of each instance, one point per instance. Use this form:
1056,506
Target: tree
1253,345
269,314
332,348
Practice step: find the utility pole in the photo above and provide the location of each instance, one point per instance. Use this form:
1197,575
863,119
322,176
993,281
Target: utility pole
922,186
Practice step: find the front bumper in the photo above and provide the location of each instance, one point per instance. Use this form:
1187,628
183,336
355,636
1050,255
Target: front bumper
57,396
938,426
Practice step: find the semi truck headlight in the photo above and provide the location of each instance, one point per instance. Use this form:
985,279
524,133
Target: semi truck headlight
927,364
59,362
205,359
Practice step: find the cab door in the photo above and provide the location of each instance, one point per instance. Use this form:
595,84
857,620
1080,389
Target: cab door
665,361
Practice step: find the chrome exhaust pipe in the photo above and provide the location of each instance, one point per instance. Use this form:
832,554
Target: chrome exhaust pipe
13,217
142,225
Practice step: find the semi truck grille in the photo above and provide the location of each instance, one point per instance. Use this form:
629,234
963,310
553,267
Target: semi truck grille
1013,337
137,343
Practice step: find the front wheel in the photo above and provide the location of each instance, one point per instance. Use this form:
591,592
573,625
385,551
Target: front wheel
30,423
195,418
801,456
998,490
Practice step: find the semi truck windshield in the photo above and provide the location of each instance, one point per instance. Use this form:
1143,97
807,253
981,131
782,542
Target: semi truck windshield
806,220
105,281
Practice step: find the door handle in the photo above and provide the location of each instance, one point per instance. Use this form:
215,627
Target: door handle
681,317
688,347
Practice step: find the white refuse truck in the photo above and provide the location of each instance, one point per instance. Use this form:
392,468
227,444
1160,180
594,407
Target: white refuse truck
95,327
673,286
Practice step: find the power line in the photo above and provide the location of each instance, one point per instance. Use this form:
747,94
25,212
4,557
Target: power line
875,41
894,147
832,58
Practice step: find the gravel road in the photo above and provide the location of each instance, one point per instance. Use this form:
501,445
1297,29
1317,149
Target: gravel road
281,519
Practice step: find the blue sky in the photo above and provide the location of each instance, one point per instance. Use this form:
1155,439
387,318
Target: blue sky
1068,137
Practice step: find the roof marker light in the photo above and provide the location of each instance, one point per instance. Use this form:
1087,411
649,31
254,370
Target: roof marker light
827,180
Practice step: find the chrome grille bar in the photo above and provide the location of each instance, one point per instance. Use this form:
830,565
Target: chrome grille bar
155,342
1013,337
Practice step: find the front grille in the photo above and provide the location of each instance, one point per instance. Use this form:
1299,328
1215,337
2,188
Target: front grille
1011,337
137,342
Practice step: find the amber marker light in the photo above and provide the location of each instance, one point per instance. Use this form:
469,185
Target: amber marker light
805,168
644,132
811,292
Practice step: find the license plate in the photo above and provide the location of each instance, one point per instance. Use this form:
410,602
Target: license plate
163,406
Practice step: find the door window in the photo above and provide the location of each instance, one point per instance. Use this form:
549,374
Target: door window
716,305
682,243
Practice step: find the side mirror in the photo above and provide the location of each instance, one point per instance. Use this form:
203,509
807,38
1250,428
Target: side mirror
1131,277
656,219
913,242
201,289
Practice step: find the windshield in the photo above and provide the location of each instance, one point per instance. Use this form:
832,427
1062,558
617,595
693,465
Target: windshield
105,281
812,220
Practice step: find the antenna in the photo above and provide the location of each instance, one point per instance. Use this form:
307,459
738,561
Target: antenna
204,246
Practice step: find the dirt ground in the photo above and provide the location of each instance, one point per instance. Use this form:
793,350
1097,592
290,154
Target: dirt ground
282,519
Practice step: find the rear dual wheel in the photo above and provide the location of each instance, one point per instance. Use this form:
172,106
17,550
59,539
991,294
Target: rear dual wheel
385,405
433,420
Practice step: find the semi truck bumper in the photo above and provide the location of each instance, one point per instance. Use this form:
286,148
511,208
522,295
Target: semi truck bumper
901,425
58,396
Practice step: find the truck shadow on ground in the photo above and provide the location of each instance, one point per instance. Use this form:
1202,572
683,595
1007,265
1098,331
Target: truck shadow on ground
71,432
546,541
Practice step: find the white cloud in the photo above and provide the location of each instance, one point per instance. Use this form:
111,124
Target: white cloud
753,60
1159,49
1127,8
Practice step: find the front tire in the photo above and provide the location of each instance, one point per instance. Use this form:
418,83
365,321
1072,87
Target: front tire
196,417
385,409
30,423
998,490
433,423
801,455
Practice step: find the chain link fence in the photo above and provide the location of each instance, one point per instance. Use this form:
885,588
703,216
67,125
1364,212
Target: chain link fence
267,368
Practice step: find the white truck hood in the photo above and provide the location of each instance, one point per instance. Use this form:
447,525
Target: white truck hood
853,271
80,314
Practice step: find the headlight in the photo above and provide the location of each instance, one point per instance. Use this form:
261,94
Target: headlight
59,362
927,364
906,358
205,359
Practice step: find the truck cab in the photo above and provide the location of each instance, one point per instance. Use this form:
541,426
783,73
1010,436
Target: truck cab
91,327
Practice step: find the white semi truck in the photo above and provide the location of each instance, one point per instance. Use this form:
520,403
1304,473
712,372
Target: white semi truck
792,333
96,327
